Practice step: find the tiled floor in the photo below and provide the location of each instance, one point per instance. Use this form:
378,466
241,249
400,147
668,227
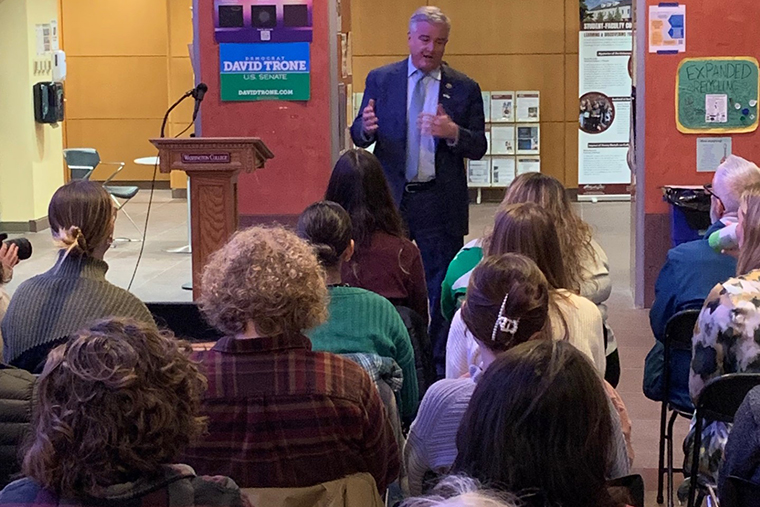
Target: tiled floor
161,275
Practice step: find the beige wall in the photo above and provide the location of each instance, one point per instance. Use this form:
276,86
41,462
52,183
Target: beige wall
502,44
31,167
128,61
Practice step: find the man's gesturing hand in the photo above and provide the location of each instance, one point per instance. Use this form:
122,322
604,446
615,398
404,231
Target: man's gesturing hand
369,120
438,125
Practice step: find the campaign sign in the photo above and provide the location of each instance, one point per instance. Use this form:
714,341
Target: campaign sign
274,71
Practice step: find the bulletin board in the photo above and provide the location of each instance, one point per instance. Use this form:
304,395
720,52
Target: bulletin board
717,95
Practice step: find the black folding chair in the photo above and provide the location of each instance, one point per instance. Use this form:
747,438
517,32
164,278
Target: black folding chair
678,334
738,492
719,400
184,320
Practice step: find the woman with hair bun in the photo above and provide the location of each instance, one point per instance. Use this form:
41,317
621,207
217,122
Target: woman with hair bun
360,321
507,303
47,308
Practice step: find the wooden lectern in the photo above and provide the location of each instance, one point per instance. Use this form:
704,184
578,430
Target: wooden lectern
213,165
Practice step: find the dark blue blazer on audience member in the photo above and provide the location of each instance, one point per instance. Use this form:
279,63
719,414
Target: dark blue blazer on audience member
462,101
690,272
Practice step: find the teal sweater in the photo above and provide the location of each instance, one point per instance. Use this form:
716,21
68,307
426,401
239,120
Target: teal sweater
363,322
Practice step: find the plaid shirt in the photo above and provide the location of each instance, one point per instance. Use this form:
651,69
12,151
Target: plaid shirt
176,486
283,416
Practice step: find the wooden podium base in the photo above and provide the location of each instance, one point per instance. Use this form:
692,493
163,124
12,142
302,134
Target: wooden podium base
213,165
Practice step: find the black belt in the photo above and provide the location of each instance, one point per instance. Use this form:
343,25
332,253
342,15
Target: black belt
413,187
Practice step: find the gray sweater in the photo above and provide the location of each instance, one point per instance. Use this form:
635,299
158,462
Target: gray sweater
65,299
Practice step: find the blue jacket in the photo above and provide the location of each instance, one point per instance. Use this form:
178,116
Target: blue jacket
690,272
462,101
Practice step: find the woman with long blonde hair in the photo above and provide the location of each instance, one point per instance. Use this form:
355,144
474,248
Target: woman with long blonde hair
47,308
584,262
725,335
529,230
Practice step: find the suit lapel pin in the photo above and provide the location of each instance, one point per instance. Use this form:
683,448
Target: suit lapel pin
448,86
446,96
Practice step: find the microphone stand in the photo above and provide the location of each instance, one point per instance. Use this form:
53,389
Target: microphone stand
166,116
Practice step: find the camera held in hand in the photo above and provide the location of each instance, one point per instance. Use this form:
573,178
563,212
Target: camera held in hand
24,246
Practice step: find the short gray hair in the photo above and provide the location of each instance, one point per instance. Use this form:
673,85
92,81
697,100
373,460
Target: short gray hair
462,491
429,14
731,178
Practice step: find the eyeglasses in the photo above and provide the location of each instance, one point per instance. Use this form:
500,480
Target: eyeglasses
709,191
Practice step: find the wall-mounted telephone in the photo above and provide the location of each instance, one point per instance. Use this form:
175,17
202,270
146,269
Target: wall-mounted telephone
48,102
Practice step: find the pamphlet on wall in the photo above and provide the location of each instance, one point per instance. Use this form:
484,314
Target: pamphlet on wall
503,139
667,28
528,140
502,107
479,172
527,106
528,165
488,139
486,105
502,171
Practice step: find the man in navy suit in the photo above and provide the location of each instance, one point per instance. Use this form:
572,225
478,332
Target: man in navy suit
425,118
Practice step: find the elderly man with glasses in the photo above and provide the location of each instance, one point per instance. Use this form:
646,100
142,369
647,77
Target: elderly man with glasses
691,270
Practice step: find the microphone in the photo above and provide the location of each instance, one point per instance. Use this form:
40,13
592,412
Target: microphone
198,93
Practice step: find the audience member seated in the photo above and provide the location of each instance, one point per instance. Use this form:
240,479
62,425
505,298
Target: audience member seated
16,402
529,230
281,415
47,308
359,321
8,259
507,304
539,426
585,261
115,405
690,271
462,491
742,453
725,337
385,261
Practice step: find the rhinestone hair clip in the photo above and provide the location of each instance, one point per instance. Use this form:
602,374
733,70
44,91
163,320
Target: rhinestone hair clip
504,323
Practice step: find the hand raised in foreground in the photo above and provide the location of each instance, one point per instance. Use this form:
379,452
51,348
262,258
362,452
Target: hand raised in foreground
8,259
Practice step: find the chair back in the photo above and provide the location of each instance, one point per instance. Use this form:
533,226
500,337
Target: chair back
721,397
358,490
81,162
184,320
679,331
628,490
423,349
719,400
738,492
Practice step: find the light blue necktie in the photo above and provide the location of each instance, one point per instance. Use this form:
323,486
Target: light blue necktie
416,107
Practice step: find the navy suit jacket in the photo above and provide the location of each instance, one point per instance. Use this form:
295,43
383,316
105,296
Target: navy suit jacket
462,101
690,272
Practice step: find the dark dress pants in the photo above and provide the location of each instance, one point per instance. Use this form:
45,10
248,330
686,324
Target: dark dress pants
421,211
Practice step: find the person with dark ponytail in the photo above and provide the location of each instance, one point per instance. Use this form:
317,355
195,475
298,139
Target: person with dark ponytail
47,308
507,304
539,426
359,321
